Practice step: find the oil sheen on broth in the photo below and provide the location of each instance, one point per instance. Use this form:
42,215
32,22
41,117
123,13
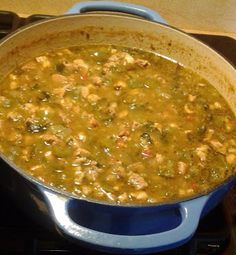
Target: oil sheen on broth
116,124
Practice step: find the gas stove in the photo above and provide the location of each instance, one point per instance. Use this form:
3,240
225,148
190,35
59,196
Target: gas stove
21,235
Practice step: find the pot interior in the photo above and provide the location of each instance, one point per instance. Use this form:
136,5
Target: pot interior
66,31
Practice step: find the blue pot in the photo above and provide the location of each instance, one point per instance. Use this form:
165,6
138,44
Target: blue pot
128,229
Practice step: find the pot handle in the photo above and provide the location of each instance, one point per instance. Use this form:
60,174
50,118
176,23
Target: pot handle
116,7
190,212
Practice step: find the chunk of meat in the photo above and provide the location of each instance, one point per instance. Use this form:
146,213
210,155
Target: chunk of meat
44,61
82,152
184,192
64,117
137,181
135,125
159,158
119,58
13,77
93,98
92,173
118,170
78,65
59,78
60,92
14,116
111,178
121,142
107,67
182,167
218,146
142,62
201,152
191,98
124,57
85,91
93,123
113,51
123,197
124,132
29,66
49,139
231,159
86,190
96,80
140,195
209,134
79,176
30,108
67,103
111,110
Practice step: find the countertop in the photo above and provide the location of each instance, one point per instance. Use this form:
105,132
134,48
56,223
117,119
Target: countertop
197,16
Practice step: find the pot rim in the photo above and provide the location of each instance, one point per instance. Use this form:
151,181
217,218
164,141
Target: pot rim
69,195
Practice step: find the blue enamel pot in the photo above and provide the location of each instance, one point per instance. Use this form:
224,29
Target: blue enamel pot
128,229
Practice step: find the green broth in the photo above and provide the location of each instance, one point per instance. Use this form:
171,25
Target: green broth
116,124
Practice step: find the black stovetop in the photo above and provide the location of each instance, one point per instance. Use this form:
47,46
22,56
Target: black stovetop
20,235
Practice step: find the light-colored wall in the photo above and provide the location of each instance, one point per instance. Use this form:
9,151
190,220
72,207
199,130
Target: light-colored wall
209,16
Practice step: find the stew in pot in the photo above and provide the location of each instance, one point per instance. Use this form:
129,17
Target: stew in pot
116,124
